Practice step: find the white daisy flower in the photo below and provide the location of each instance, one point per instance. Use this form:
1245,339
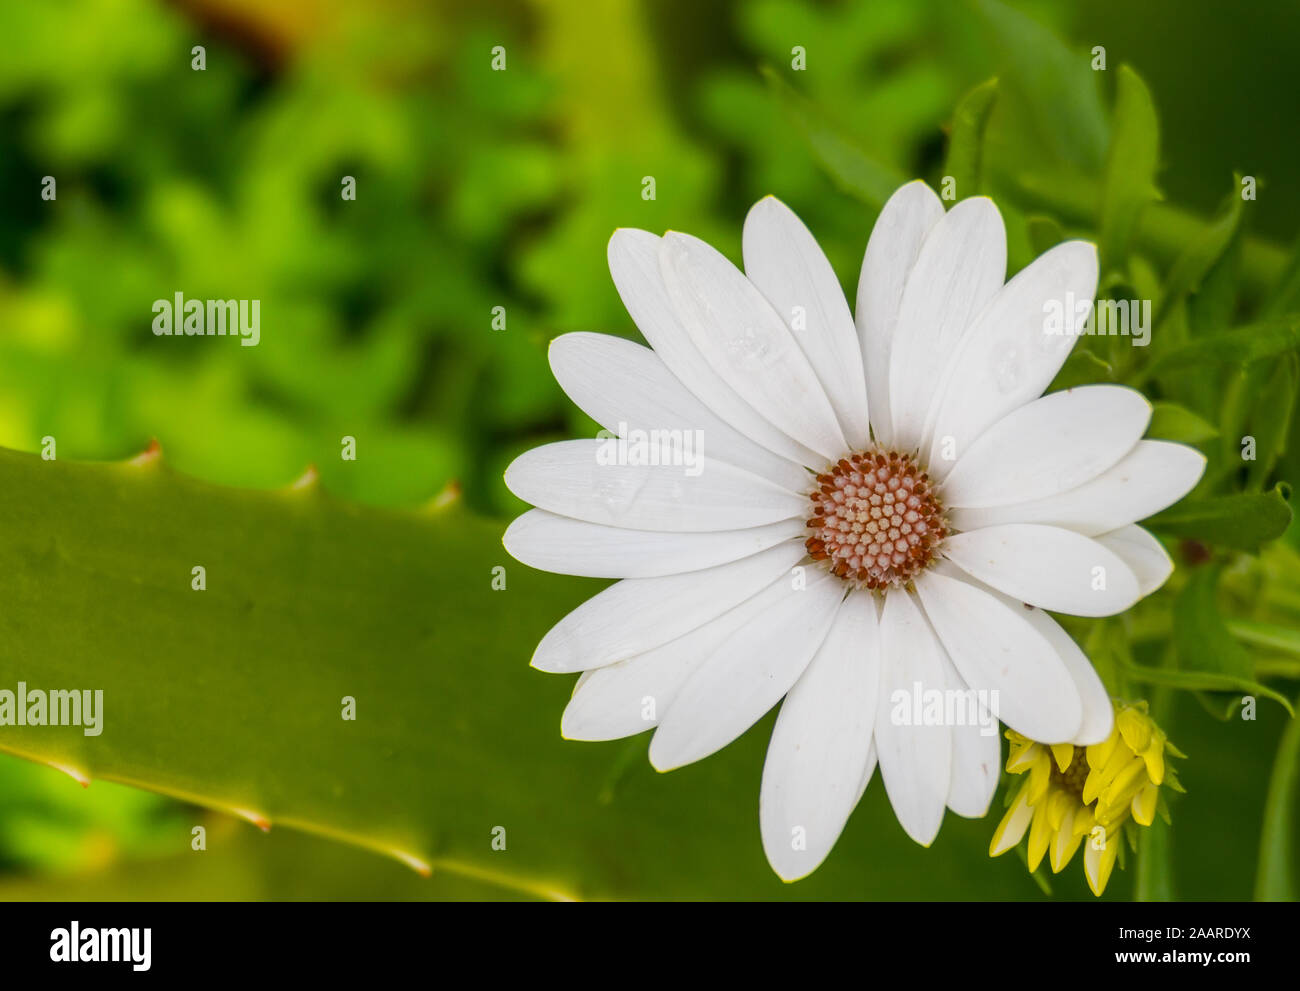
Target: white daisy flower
859,513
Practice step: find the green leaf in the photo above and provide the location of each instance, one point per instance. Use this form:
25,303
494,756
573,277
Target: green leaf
849,166
965,161
1044,232
1239,396
1057,86
1200,255
1275,879
1214,303
1270,636
1169,421
1285,295
1271,424
1164,230
1130,167
1203,681
1200,635
1243,521
1083,367
231,697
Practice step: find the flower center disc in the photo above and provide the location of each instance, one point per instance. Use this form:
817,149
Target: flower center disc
876,519
1073,778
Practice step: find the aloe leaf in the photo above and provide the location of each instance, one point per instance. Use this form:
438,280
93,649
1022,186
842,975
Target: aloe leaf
231,697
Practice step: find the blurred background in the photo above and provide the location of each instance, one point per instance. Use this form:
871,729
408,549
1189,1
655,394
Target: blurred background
478,189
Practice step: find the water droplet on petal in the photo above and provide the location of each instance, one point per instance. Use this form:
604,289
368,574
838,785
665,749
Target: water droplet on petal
1007,370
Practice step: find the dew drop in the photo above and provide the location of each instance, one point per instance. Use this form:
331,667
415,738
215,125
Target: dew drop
1007,370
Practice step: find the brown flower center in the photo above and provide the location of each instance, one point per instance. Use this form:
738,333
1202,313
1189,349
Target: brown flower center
1072,779
876,520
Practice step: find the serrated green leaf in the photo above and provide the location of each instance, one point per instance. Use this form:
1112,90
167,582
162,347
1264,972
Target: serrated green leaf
1243,521
231,697
1130,167
1169,421
965,161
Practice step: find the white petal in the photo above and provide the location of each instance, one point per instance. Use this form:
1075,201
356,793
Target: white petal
1009,358
813,774
1046,566
626,387
787,266
1155,474
567,546
915,758
1001,655
1141,552
1049,446
960,267
639,614
747,343
904,221
744,678
632,696
1098,713
569,478
976,753
634,265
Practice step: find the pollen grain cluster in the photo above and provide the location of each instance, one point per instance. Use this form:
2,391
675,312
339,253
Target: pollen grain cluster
875,519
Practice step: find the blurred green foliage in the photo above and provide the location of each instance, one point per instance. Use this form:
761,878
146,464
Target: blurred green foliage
479,189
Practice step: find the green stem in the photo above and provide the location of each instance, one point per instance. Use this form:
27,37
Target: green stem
1275,878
